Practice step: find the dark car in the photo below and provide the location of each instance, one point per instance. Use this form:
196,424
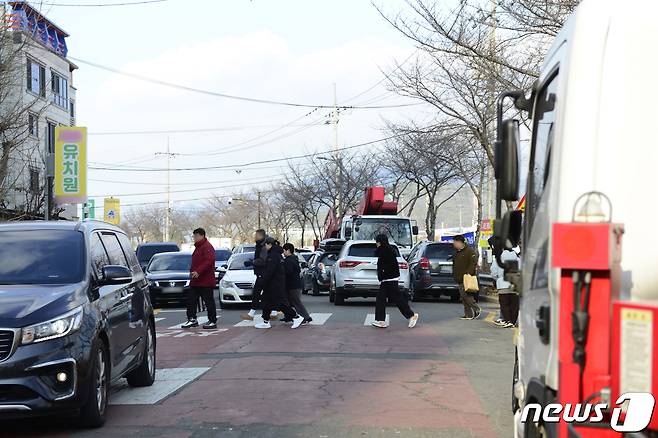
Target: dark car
168,275
147,250
75,316
430,268
316,276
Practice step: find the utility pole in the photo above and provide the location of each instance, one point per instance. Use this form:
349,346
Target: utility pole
167,224
259,210
335,118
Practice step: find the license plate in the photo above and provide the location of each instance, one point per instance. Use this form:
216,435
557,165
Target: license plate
172,290
445,269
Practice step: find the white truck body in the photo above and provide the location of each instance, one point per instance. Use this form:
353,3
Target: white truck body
398,229
600,136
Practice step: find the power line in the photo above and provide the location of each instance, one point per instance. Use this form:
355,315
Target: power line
229,96
100,5
193,130
253,162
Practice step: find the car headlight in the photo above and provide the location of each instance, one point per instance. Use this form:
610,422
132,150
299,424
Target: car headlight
55,328
227,284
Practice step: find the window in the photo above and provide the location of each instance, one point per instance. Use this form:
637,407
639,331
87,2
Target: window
238,262
367,250
542,142
60,88
441,251
34,179
130,254
114,251
99,257
50,137
33,124
36,78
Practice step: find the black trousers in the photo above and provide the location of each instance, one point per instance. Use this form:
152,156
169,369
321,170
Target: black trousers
274,300
391,291
295,300
208,296
257,295
509,306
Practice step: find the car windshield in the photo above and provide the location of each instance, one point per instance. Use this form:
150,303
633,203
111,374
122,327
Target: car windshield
42,257
237,262
145,253
367,250
439,251
328,261
170,262
248,248
305,256
221,255
398,231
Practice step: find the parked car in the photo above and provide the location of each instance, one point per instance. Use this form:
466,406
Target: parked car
316,277
244,247
221,258
355,272
147,250
75,316
305,257
430,269
168,275
237,286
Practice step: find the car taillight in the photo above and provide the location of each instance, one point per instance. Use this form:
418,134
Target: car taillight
349,264
424,263
403,265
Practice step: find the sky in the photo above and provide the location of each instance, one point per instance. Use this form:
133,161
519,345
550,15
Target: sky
284,50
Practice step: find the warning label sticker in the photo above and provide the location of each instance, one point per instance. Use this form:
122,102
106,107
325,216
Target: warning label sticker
636,350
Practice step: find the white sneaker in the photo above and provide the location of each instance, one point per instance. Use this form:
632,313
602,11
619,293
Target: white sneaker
413,320
296,322
379,324
263,325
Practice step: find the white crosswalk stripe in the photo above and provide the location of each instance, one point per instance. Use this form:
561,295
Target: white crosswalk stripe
159,319
320,318
201,319
370,318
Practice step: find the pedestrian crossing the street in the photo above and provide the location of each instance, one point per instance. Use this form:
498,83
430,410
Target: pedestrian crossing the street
201,319
318,319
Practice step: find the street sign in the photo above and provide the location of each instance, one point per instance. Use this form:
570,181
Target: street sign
91,209
70,164
112,211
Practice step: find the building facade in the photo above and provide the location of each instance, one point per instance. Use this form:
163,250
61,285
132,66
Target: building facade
37,95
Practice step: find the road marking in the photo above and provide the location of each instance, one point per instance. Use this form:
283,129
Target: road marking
320,318
490,317
159,319
171,310
247,323
202,320
167,381
370,318
156,311
181,333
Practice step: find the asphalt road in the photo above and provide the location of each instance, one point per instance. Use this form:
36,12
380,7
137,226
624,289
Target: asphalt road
341,378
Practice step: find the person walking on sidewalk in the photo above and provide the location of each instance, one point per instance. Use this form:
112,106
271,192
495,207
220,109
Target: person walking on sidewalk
388,273
507,296
202,281
465,262
260,259
294,282
274,283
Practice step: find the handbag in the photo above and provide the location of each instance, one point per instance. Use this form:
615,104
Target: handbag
471,283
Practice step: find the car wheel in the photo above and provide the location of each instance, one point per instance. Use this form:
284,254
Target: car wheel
144,374
339,298
316,290
332,296
92,414
412,291
454,298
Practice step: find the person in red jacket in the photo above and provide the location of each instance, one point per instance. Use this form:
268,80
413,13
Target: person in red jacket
202,283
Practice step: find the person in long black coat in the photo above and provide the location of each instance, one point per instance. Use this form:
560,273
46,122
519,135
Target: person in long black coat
388,274
274,287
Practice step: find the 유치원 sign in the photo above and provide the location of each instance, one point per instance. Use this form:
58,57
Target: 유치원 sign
70,164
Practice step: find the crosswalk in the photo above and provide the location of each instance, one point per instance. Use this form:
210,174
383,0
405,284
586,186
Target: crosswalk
164,319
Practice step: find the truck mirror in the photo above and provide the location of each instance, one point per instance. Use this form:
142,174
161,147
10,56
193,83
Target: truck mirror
348,233
507,232
507,160
414,230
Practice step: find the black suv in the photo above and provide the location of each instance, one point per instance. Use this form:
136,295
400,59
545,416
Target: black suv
316,273
430,270
75,315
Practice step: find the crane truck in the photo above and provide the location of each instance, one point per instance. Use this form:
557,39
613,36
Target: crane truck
587,344
374,215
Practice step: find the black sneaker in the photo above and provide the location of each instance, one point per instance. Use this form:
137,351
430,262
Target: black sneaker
210,325
307,321
190,323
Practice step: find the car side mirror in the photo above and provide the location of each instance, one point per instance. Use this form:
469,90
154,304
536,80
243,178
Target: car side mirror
414,230
115,274
507,160
507,233
348,232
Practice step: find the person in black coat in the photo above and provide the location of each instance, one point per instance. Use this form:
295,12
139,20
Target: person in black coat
388,274
294,282
260,258
274,287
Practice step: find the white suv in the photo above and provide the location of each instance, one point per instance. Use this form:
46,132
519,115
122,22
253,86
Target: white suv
355,272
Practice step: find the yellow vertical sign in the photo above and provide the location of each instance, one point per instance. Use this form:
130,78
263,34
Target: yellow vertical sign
70,164
112,211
